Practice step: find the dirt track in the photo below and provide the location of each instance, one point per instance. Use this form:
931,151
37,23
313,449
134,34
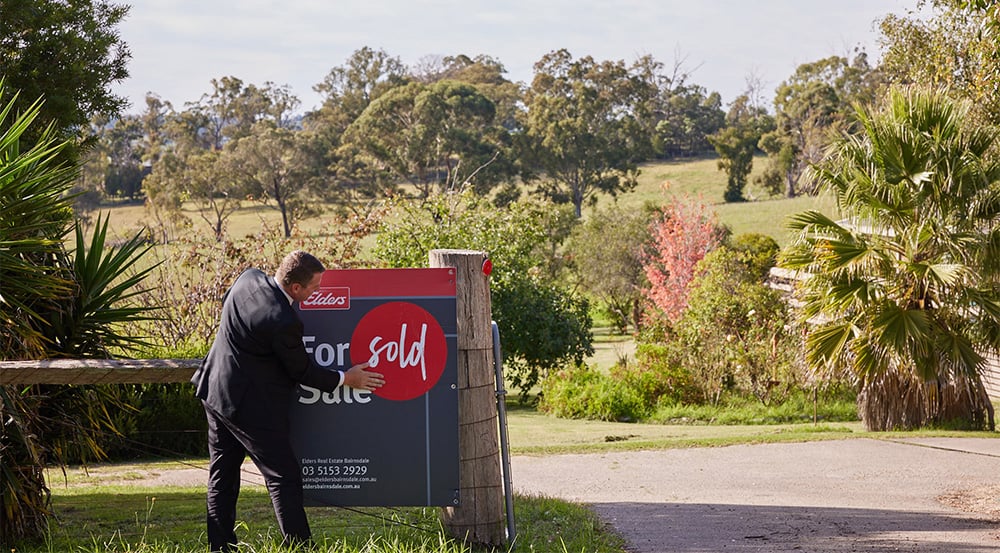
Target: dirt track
927,495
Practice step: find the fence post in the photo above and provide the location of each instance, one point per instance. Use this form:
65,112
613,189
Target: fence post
479,516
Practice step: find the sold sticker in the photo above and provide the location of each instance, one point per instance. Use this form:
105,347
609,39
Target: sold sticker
405,343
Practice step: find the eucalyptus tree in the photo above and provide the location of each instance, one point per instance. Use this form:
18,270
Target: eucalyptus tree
442,136
89,189
347,90
904,292
953,45
485,73
119,143
120,152
585,127
275,165
690,115
153,120
682,114
736,144
809,107
199,160
209,179
232,108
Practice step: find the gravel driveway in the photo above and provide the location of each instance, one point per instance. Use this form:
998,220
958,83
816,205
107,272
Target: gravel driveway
928,495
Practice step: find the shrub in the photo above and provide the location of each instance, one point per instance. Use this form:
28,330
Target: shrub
606,256
543,325
586,393
680,237
162,421
657,376
195,272
736,332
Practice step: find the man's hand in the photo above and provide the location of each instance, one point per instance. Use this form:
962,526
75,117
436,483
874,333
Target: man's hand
358,378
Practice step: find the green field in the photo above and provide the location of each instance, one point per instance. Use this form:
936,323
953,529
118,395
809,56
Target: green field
700,179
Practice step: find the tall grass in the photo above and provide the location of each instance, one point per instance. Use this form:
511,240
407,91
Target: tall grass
801,406
171,520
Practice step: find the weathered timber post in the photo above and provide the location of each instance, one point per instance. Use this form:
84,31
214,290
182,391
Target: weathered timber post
479,516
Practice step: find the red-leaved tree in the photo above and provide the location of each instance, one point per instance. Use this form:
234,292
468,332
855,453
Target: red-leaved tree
681,235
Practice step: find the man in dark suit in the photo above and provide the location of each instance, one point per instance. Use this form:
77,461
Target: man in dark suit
246,384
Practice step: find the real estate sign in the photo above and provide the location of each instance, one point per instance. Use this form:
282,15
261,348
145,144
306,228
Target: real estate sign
397,445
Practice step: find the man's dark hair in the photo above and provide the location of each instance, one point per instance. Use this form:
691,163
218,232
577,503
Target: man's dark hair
298,267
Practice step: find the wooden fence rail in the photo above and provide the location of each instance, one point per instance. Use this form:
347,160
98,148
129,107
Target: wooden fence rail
97,371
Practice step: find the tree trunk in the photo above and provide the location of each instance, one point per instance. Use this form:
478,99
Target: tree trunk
900,401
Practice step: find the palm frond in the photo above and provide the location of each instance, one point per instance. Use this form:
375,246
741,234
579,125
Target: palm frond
901,329
827,345
947,274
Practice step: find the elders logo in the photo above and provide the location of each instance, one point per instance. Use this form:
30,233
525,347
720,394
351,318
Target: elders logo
334,297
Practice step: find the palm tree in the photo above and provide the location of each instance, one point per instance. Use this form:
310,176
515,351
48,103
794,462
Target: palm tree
903,293
53,303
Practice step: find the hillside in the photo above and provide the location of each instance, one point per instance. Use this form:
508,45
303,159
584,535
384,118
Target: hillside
701,179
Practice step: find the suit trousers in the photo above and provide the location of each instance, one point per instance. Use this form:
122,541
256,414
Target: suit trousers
229,442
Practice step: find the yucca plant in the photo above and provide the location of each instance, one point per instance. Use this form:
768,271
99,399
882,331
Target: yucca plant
35,217
53,303
903,291
88,322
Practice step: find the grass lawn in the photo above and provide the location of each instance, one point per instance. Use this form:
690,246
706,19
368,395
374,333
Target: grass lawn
172,520
98,510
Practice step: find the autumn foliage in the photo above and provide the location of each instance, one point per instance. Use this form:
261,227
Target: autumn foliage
681,235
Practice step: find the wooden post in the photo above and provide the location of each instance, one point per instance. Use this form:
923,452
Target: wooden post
479,516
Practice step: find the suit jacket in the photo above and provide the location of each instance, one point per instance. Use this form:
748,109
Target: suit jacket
258,357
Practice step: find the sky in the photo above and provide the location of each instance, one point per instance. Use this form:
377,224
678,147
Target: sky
179,46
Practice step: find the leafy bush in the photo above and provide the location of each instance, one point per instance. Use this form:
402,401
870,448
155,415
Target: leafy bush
583,392
163,421
542,325
606,254
541,328
736,333
658,377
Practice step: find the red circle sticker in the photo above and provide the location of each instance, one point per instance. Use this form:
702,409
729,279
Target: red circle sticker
403,342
